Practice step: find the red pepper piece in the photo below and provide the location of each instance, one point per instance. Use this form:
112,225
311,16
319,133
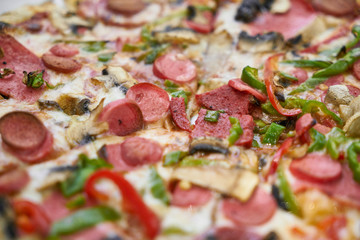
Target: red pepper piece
132,201
270,67
278,155
31,218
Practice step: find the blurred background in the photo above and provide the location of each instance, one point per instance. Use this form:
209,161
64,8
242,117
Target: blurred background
8,5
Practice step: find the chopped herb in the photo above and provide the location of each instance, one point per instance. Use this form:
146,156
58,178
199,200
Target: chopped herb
212,116
174,157
273,133
157,187
6,72
105,57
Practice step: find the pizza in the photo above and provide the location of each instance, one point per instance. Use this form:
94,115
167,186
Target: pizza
180,119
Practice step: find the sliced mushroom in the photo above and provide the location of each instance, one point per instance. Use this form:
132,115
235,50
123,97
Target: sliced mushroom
268,42
346,111
280,6
73,105
80,130
116,76
7,220
65,22
209,144
177,36
48,105
338,94
352,126
238,183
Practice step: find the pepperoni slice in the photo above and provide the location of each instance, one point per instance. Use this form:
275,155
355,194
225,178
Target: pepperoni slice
316,167
247,124
335,7
228,233
152,100
304,123
288,24
243,87
356,69
60,64
13,181
63,50
322,129
194,196
178,113
19,59
354,91
205,27
36,155
137,151
225,98
126,6
300,74
112,154
174,67
257,210
22,130
335,80
123,116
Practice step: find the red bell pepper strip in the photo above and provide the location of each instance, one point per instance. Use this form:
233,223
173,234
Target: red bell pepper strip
31,218
278,155
132,201
270,67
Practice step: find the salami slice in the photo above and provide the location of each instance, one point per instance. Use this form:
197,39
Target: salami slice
304,123
112,154
174,67
178,113
354,91
334,80
336,7
19,59
322,129
13,181
123,116
125,6
300,74
137,151
257,210
60,64
243,87
63,50
193,197
153,101
229,233
316,167
247,124
288,24
356,69
225,98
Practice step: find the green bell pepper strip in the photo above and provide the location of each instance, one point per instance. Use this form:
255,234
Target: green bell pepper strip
76,202
250,76
157,187
235,130
288,77
287,194
181,93
319,141
269,109
308,63
309,84
273,133
212,116
356,32
104,57
335,138
174,157
352,154
83,219
190,161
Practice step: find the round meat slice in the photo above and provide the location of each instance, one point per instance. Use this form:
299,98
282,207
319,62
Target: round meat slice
354,91
123,116
63,50
194,196
22,130
13,181
126,6
232,233
257,210
316,167
153,101
335,7
137,151
174,67
356,69
60,64
243,87
178,113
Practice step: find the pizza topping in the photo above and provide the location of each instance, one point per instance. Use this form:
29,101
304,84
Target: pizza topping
287,194
178,113
224,98
248,10
126,7
208,144
73,105
318,138
13,180
193,196
249,75
235,130
22,130
174,67
255,211
356,69
123,116
83,219
203,22
259,43
336,7
352,158
18,59
338,94
304,123
284,148
60,64
33,79
63,50
176,36
238,84
238,183
6,72
316,167
137,151
131,200
157,187
116,76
